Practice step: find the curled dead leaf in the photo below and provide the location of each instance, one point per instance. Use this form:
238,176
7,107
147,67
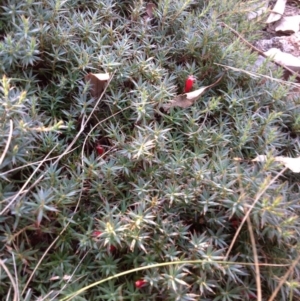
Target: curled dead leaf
187,99
149,11
98,82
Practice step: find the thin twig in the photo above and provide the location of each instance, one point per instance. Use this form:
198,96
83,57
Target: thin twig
25,184
258,50
284,278
258,75
151,266
32,163
70,278
16,274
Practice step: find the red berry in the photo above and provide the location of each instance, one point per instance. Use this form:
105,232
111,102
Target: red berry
235,222
96,233
189,83
140,283
112,249
100,150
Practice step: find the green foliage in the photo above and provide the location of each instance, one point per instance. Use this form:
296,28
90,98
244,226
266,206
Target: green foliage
167,187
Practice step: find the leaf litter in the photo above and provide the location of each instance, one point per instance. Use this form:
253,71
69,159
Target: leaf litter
187,99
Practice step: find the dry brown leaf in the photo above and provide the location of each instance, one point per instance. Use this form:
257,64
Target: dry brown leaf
149,9
291,163
277,11
98,82
187,99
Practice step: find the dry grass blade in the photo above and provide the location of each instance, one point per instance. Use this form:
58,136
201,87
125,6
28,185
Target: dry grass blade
259,195
8,141
83,126
284,278
151,266
255,257
26,183
16,298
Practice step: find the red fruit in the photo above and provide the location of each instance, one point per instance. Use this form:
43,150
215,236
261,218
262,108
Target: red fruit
100,150
235,222
189,83
140,283
112,249
96,233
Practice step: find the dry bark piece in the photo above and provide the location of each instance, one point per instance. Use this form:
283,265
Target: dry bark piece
187,99
98,82
277,11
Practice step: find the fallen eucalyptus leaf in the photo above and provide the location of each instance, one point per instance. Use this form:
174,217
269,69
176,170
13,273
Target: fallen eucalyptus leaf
98,82
187,99
291,163
283,58
288,24
277,11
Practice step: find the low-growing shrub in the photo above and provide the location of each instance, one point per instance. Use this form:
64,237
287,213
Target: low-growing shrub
95,187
